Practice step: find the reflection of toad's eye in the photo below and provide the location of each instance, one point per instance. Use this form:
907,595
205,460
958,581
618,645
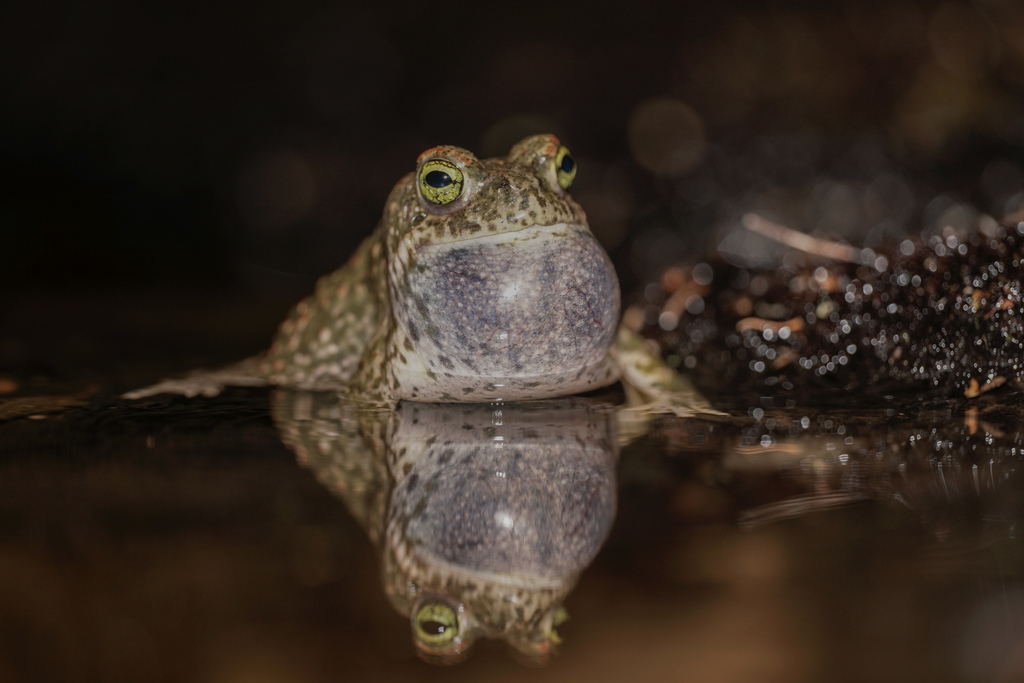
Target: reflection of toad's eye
561,616
565,167
436,624
440,182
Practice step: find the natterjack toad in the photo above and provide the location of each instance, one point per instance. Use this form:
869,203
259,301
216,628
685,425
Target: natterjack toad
481,283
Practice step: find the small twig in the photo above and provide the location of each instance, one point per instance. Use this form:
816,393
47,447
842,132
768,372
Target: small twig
796,507
761,324
801,241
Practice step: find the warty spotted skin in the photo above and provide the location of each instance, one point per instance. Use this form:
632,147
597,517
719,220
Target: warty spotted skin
501,294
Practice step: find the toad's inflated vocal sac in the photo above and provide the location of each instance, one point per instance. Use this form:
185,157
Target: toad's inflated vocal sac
481,283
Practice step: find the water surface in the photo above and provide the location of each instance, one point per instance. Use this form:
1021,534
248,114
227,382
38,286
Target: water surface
182,540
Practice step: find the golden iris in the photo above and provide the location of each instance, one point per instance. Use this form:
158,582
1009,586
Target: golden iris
436,623
441,182
561,616
565,167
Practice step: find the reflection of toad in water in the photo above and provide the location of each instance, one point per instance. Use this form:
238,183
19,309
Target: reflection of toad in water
485,515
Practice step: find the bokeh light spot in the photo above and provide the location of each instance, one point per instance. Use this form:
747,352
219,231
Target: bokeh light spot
666,137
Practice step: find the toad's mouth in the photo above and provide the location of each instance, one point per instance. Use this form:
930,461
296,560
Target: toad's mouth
511,237
426,562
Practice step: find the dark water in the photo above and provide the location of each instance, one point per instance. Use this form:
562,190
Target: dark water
183,541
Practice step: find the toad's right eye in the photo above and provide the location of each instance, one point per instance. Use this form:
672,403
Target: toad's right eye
441,182
436,624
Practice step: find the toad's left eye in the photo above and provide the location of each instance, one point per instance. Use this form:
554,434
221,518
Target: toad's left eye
565,167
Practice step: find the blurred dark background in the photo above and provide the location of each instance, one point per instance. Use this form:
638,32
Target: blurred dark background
188,169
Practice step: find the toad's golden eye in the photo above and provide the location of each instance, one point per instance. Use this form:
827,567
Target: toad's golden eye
441,182
565,167
436,623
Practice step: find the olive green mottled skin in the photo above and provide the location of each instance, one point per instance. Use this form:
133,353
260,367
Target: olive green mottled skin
502,295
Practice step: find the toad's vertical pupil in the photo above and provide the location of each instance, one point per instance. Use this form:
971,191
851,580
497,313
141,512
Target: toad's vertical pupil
438,179
568,164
